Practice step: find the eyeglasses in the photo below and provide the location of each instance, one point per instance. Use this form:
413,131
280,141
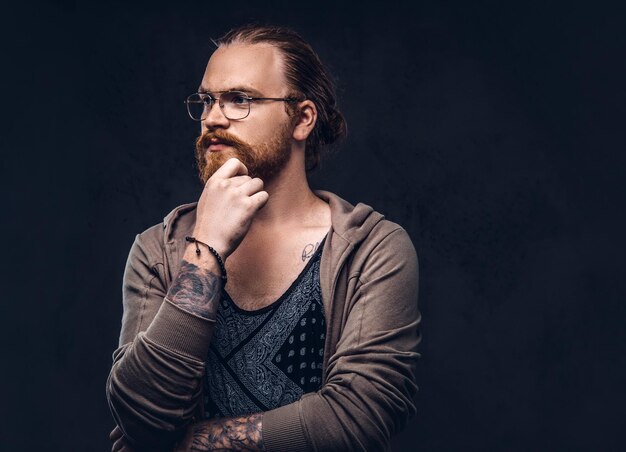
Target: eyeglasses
234,104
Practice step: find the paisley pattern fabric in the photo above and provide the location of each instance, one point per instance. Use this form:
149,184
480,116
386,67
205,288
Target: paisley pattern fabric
263,359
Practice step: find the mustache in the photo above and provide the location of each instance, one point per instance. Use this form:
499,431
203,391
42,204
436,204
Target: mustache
204,140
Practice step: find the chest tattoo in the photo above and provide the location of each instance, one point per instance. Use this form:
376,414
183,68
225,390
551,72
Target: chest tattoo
309,250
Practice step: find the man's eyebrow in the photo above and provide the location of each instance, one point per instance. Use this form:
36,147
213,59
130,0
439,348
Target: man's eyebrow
244,89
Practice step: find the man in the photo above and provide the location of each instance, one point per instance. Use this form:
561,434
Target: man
266,316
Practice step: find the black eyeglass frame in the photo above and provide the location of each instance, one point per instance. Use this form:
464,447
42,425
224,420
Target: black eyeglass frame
219,100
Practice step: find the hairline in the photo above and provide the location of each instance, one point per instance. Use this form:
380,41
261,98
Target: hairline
293,90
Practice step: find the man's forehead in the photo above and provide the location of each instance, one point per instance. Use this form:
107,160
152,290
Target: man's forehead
253,68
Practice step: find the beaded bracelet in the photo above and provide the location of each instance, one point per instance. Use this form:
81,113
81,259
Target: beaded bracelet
212,250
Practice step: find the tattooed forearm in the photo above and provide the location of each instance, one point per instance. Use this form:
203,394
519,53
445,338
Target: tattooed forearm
309,250
196,290
239,433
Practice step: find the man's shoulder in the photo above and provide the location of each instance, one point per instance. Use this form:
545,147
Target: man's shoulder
388,236
179,220
359,222
180,213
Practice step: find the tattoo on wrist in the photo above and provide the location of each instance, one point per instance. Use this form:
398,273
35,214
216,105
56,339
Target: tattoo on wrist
196,290
309,250
239,433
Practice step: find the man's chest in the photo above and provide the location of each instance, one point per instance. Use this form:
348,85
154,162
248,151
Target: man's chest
254,284
257,277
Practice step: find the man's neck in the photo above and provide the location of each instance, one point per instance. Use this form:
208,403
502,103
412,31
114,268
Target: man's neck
291,203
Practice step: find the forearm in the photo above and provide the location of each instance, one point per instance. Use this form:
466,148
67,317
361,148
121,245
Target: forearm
235,433
198,286
154,385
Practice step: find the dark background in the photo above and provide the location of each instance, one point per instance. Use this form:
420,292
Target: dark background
492,131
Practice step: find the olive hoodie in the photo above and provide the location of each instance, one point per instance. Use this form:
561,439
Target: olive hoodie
369,284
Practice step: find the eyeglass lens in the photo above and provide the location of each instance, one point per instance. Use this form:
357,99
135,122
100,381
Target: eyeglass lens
234,105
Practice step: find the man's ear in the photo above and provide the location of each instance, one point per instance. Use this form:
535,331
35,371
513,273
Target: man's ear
305,120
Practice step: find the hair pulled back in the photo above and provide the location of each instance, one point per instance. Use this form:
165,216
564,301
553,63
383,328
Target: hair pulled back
306,75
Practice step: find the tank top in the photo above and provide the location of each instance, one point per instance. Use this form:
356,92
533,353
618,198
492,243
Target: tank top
260,360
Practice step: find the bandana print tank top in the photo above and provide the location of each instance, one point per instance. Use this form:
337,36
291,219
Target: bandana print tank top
263,359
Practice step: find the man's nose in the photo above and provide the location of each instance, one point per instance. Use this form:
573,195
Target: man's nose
215,117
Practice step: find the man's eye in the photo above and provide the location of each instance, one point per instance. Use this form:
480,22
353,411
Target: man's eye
239,99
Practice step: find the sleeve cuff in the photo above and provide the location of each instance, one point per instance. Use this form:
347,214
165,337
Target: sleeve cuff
283,429
181,331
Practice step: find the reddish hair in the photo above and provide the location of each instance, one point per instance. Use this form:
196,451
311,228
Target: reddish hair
306,75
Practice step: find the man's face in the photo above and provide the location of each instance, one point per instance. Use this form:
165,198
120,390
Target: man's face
262,141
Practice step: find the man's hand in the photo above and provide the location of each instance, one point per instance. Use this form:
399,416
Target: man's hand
228,203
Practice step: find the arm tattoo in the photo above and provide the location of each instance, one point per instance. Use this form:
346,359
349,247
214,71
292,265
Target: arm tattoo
309,250
235,433
196,290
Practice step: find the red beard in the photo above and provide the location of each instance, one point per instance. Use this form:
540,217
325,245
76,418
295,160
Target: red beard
263,161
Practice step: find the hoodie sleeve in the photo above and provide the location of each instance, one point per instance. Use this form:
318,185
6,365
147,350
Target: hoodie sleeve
368,391
156,378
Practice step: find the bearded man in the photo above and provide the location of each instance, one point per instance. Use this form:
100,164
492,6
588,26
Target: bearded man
266,316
